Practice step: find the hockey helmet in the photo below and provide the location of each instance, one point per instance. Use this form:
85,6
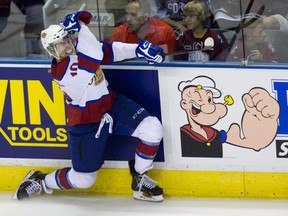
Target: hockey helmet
51,36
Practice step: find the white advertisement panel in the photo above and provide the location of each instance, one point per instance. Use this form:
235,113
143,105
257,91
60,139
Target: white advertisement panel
225,119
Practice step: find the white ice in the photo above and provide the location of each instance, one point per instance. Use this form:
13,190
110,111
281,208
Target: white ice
87,205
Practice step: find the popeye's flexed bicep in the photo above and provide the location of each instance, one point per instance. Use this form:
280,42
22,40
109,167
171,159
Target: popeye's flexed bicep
259,121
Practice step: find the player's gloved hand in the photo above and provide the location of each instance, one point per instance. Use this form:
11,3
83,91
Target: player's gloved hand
71,23
150,52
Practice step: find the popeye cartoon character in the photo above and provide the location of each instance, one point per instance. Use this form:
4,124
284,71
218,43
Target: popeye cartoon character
200,139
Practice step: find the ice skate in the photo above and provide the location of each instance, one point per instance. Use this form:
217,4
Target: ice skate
32,185
144,187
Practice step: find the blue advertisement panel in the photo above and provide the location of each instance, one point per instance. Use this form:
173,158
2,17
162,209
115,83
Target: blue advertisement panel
33,116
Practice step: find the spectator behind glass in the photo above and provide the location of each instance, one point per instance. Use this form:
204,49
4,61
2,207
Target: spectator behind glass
32,9
139,25
256,48
196,16
171,12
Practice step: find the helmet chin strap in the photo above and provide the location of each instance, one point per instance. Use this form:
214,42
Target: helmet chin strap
53,52
57,56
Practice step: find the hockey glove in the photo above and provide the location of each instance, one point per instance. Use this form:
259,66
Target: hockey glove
150,52
71,23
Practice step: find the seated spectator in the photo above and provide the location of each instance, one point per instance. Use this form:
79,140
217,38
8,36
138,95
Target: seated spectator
139,25
256,48
196,16
171,12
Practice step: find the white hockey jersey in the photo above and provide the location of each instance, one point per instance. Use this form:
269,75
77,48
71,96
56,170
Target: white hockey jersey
88,95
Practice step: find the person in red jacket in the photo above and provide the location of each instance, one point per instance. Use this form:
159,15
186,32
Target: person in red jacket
139,25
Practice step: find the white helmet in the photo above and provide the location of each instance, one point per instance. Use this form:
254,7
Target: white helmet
51,36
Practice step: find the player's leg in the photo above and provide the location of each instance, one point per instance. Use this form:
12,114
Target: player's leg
149,132
87,157
130,119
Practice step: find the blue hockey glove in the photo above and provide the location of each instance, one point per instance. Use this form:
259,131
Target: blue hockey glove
150,52
71,23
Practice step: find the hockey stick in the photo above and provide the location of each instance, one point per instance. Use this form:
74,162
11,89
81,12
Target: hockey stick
188,51
208,45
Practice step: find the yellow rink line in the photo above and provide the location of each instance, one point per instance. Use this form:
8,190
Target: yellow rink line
175,183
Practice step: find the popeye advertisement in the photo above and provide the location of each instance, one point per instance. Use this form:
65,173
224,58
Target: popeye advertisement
225,118
259,121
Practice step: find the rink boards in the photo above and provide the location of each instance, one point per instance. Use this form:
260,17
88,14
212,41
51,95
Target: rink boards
33,131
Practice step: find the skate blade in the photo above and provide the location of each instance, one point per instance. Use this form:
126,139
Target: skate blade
138,195
25,179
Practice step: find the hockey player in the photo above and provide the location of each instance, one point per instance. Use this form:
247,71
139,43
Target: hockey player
95,111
